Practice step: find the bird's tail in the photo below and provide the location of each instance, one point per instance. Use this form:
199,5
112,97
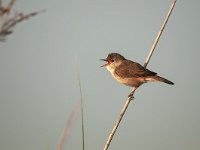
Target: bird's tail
158,78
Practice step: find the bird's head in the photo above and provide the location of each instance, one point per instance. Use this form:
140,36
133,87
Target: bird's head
113,60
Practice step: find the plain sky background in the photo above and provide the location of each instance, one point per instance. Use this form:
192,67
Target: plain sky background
39,86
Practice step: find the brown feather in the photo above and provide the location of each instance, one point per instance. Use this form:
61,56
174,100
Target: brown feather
128,69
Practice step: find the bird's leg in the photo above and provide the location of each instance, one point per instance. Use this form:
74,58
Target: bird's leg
132,92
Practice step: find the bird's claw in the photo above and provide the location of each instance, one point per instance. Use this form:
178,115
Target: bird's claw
131,95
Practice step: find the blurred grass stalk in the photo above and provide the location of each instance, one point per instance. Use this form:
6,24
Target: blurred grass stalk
68,127
72,118
81,101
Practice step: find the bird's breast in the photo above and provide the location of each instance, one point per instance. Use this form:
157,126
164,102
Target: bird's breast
112,71
132,81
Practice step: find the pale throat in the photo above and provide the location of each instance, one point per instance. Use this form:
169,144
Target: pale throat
109,68
112,71
112,67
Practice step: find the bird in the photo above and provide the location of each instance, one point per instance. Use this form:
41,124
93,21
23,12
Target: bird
130,73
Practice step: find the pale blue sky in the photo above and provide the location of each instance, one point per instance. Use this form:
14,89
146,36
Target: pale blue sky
39,87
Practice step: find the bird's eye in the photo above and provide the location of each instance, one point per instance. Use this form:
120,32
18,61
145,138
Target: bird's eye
112,60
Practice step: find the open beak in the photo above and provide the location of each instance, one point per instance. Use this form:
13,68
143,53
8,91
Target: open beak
106,63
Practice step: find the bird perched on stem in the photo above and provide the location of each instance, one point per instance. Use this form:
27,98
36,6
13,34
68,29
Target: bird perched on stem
129,72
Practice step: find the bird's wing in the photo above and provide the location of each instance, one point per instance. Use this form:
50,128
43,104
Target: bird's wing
128,69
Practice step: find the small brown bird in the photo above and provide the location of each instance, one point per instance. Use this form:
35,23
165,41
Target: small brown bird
130,73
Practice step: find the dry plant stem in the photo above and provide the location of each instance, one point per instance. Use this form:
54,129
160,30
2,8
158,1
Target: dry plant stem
134,89
16,19
10,5
20,18
9,18
7,9
119,120
159,34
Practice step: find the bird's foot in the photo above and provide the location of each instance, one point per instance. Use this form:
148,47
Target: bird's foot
132,92
131,95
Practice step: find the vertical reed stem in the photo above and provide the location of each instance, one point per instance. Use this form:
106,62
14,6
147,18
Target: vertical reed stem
159,34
